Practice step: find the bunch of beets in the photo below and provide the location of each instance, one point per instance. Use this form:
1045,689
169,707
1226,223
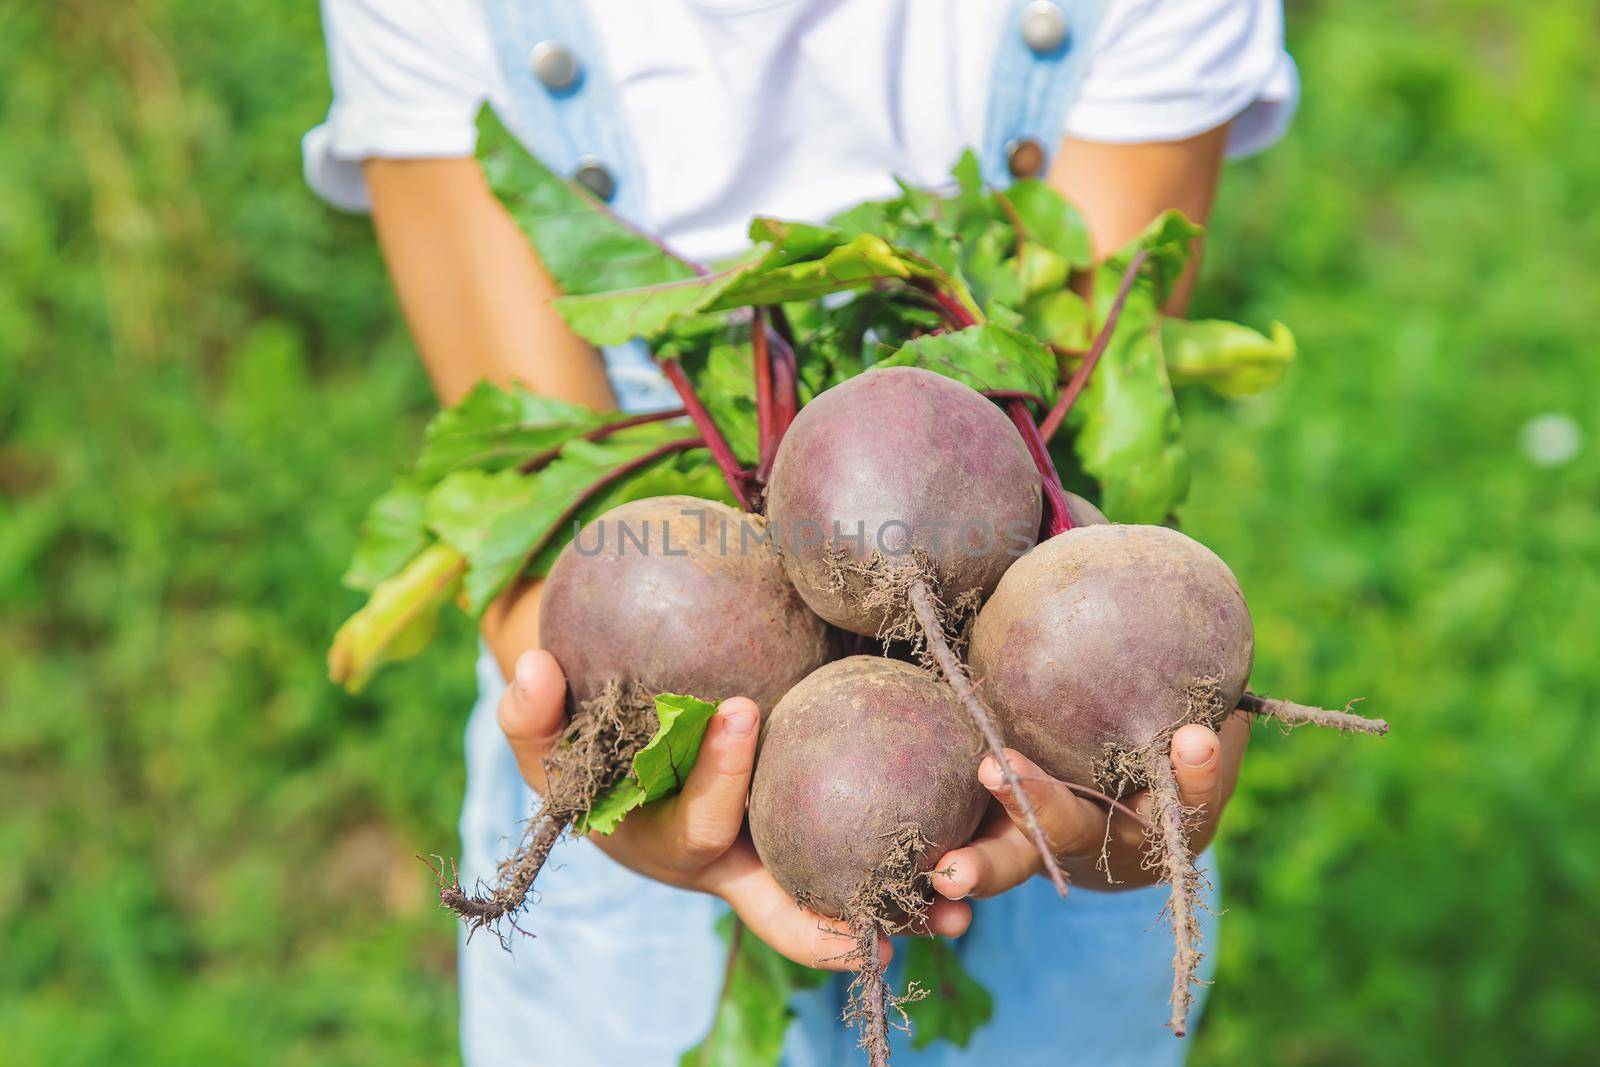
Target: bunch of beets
856,519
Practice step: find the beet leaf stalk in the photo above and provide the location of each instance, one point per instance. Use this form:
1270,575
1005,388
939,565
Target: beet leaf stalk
1055,495
785,383
777,363
600,433
733,473
1080,377
762,353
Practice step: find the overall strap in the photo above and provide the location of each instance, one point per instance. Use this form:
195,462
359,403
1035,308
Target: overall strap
564,109
1039,66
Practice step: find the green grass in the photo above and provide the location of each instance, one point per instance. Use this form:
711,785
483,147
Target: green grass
208,849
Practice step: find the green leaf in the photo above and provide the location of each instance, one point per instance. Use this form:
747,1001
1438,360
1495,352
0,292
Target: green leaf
1060,318
987,261
986,357
463,509
493,428
968,173
857,264
1050,220
398,619
916,222
727,386
956,1005
791,242
770,276
840,340
1171,240
585,247
1229,359
659,769
753,1012
614,317
1041,271
1126,419
499,520
392,533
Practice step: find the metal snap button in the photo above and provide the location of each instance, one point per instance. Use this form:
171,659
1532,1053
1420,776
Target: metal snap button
593,176
1025,157
554,65
1044,26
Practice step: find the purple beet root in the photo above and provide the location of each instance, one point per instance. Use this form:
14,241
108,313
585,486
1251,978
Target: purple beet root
1098,645
1109,638
899,498
671,594
1083,513
1095,649
866,776
894,466
680,595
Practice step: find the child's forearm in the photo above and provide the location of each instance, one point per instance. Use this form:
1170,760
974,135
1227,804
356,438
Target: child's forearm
1121,188
473,292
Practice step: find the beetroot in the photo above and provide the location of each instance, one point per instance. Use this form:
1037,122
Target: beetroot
1111,637
866,776
624,602
898,499
896,467
1082,512
1095,649
668,594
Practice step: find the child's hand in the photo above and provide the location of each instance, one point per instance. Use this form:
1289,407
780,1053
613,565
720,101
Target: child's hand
1002,856
695,839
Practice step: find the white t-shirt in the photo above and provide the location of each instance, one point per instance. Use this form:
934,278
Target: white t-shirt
792,107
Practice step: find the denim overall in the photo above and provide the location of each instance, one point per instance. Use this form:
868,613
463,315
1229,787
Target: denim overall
624,970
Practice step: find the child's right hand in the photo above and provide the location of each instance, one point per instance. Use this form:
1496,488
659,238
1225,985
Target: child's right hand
696,839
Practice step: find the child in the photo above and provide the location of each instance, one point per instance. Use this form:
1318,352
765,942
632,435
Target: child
689,117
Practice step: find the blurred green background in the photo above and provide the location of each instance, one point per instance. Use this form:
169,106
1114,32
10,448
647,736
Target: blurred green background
206,850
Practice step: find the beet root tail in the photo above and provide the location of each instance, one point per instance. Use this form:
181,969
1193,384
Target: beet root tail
1292,714
927,612
1169,854
490,906
869,1005
594,753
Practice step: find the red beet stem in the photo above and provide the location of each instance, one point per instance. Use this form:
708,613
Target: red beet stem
600,433
1080,377
1055,496
763,369
732,472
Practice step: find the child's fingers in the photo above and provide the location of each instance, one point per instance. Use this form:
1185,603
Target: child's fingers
1004,857
706,816
1072,826
772,915
1197,765
533,712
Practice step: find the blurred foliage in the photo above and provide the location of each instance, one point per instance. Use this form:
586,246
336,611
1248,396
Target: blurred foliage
203,378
